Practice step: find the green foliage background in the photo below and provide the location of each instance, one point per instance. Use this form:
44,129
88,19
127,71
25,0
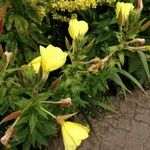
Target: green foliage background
28,24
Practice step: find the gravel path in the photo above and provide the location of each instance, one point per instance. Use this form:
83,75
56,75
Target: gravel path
128,130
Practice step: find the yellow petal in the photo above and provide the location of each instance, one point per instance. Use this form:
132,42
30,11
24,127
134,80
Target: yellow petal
52,58
36,63
123,10
73,134
77,27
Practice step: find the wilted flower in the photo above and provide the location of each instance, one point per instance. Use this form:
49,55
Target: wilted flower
77,28
8,134
97,64
73,133
139,4
12,116
122,11
66,102
51,59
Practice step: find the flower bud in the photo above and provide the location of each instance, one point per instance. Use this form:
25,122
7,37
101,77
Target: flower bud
66,102
77,28
122,11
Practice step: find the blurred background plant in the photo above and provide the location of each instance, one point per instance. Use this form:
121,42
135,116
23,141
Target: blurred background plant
113,52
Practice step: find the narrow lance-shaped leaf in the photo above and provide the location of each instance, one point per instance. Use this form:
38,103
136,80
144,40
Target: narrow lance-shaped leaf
125,73
145,64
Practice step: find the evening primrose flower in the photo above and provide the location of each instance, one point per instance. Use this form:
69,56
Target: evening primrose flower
73,133
36,64
77,28
51,59
122,11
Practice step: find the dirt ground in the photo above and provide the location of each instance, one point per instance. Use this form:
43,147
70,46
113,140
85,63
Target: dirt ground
128,130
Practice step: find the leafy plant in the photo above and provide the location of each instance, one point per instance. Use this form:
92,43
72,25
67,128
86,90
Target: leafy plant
109,54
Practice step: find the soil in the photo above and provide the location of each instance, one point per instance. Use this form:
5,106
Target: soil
127,130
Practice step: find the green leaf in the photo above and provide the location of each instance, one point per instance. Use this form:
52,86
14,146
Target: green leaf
68,45
125,73
103,36
22,27
3,2
32,13
106,107
32,122
36,34
18,6
121,58
41,112
9,19
42,139
33,137
116,78
13,46
145,64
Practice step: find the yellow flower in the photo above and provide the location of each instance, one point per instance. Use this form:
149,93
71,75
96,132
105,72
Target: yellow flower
77,28
51,59
36,63
73,134
122,11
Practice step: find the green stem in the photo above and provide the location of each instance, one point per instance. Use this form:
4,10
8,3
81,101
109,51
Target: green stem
51,102
15,122
27,107
48,113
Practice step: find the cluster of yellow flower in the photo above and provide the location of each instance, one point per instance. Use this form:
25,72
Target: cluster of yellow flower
53,57
58,16
41,12
73,5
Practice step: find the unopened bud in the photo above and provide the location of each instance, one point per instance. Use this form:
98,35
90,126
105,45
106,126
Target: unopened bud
66,102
